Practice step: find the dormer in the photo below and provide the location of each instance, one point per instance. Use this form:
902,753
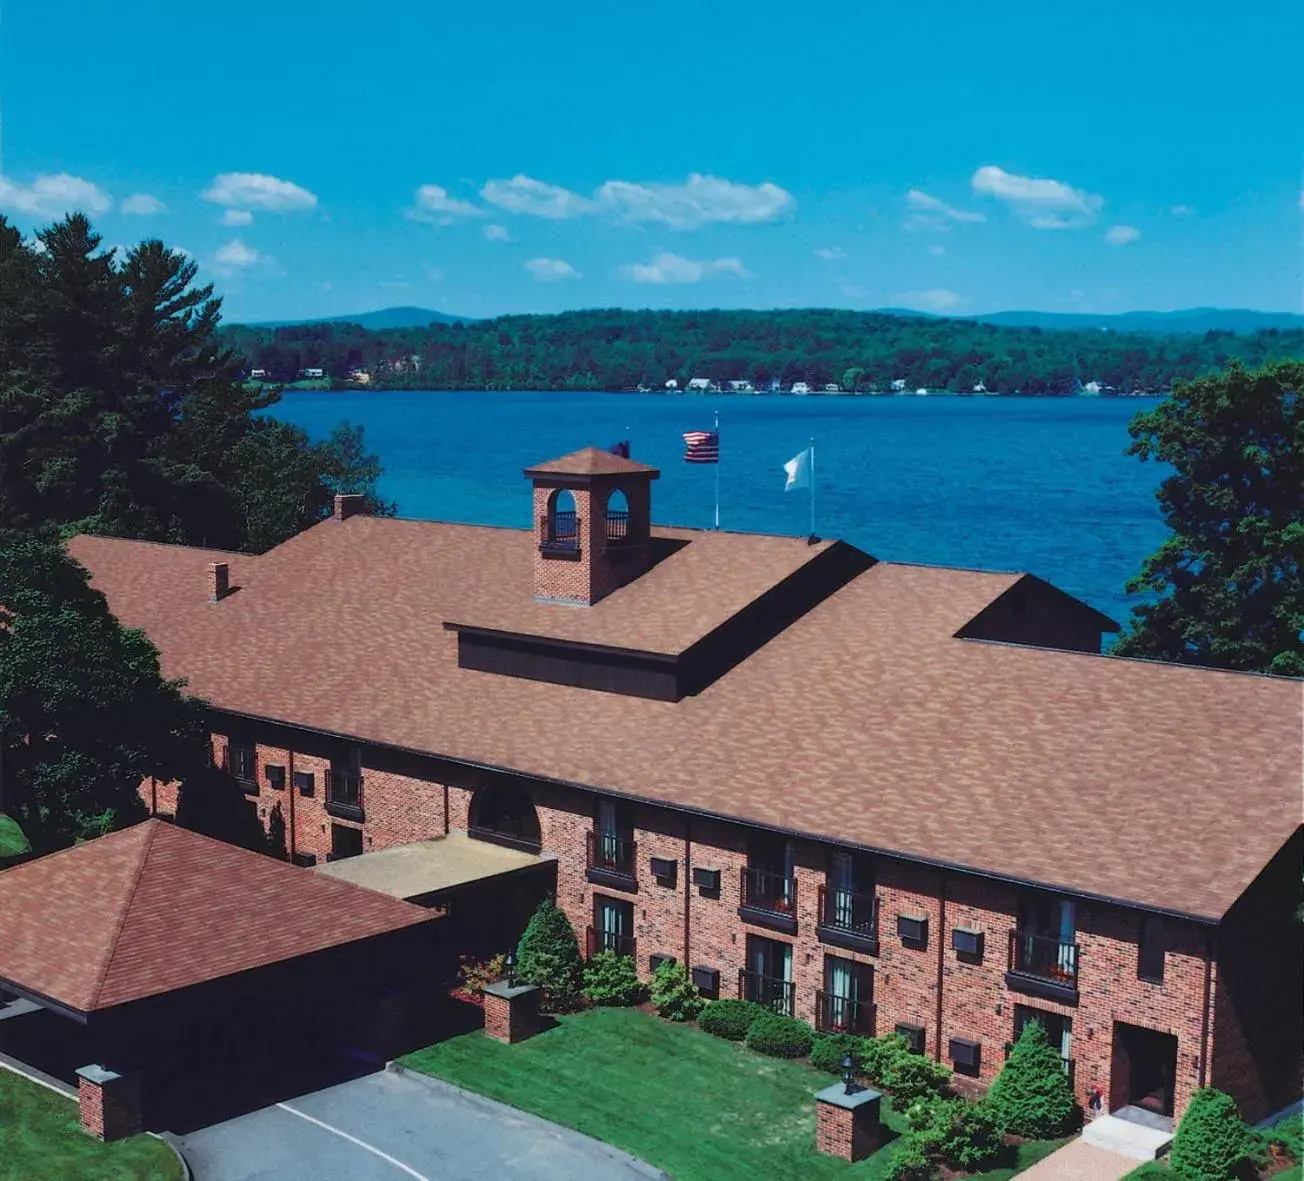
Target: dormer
592,524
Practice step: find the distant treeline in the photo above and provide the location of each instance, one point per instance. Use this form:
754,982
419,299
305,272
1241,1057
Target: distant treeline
860,351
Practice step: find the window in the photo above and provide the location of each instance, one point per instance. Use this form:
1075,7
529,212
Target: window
1150,949
617,518
613,926
846,1004
561,526
1045,945
345,842
242,761
275,777
344,788
769,890
503,813
767,978
305,783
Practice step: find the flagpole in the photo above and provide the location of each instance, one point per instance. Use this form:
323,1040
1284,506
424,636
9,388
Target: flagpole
717,470
812,485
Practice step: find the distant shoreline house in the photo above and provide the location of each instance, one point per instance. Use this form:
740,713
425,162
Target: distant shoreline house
873,795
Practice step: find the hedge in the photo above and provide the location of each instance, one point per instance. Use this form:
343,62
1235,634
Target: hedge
779,1036
730,1018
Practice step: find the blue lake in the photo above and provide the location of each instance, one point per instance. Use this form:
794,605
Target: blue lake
1036,484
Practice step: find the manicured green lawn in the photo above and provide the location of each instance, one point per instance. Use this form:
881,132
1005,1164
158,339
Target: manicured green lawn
699,1107
41,1140
12,840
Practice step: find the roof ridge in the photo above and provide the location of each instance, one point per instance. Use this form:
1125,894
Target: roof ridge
102,976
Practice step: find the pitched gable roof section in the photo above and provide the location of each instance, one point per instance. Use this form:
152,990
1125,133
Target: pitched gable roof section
865,721
155,908
591,461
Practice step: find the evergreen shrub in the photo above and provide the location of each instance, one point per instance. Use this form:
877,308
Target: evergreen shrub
1031,1094
780,1036
674,996
1211,1142
549,956
729,1018
611,979
830,1049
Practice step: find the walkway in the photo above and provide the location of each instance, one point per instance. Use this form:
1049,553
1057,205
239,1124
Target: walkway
393,1125
1080,1161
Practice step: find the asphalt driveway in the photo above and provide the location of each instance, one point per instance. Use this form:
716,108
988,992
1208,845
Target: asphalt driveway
393,1125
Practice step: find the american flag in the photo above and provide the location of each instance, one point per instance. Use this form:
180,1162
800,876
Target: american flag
703,446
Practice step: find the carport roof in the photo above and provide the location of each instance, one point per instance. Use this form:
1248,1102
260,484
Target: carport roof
428,867
156,908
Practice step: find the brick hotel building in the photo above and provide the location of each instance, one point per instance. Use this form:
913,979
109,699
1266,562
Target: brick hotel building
874,795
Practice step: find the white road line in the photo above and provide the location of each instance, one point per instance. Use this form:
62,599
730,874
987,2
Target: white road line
398,1164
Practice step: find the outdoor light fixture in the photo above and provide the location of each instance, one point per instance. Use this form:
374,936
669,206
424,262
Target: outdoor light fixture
849,1074
511,969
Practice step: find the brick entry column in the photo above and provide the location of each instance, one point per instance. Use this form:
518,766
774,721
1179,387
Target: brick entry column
847,1126
110,1103
511,1011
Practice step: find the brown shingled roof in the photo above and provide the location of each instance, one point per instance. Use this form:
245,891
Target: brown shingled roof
156,908
590,461
865,721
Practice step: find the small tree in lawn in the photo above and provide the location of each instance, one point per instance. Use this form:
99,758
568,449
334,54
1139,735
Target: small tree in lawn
548,956
1031,1095
1211,1143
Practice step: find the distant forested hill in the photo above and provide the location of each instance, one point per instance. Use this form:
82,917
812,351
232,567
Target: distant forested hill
617,349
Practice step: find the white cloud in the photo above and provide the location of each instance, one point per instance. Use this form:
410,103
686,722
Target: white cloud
236,256
1301,199
433,204
1121,235
936,299
853,290
830,253
674,268
937,250
1043,203
551,270
434,274
256,190
936,211
236,217
53,194
143,205
700,200
496,234
524,194
1187,210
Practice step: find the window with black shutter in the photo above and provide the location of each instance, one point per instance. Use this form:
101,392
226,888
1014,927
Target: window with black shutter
242,762
305,783
275,777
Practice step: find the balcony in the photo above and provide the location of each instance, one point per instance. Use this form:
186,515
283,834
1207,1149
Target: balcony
611,861
848,919
1043,965
617,527
770,991
598,941
561,535
840,1014
344,795
768,900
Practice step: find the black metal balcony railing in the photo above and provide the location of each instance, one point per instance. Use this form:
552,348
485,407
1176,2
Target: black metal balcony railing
840,1014
598,941
848,919
769,991
611,860
617,527
560,532
768,899
1043,965
344,794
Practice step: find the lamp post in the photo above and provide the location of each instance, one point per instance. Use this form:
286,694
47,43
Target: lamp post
849,1074
511,970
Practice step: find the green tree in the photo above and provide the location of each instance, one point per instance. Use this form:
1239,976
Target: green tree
1227,587
1031,1095
549,956
84,713
1211,1143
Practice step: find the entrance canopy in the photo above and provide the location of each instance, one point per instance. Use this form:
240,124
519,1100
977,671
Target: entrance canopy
156,908
428,868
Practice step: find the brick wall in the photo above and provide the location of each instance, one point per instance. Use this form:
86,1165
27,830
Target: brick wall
834,1130
408,803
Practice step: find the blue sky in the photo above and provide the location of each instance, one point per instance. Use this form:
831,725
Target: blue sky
333,158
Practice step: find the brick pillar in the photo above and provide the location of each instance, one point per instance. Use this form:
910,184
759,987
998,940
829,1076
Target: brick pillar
511,1013
847,1126
110,1103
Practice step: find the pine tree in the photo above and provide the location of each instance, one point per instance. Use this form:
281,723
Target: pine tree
549,956
1031,1095
1211,1143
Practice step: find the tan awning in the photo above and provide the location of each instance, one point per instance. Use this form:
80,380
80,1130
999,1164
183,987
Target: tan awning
429,867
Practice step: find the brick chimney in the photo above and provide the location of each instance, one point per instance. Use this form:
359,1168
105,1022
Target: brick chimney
352,504
219,581
592,525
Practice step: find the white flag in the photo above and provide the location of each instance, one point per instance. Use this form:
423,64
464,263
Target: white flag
798,469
